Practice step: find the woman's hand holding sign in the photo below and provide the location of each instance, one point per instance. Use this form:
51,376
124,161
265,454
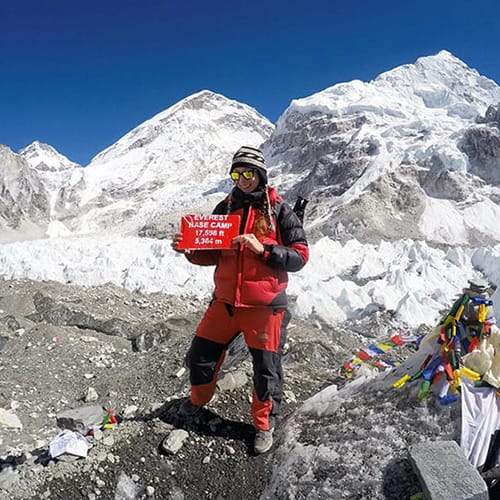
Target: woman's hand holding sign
176,241
249,241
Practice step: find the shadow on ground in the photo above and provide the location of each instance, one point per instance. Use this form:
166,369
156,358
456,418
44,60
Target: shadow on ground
400,481
205,422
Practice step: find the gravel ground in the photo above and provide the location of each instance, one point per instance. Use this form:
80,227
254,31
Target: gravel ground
58,341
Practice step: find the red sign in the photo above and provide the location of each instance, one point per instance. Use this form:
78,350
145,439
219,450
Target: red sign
208,232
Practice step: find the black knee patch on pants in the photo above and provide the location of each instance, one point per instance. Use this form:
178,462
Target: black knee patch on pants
267,379
202,359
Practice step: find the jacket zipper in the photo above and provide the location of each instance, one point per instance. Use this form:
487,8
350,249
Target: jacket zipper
241,248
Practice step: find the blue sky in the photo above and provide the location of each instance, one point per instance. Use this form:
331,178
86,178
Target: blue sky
80,74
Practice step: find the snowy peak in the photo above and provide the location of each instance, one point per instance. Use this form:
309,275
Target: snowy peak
178,157
187,141
443,67
442,81
56,172
204,110
374,157
208,101
44,157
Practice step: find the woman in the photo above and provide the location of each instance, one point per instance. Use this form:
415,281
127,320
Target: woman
250,292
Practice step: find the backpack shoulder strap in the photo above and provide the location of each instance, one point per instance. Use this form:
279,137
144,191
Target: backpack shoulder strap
276,210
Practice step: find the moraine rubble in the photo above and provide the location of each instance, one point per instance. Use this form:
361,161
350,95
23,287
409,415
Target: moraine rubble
65,347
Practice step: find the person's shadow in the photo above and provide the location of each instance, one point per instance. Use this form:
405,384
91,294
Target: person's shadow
205,422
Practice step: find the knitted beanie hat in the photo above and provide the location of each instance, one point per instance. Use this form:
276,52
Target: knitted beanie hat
252,157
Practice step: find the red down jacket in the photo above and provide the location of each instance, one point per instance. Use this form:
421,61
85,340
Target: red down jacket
245,279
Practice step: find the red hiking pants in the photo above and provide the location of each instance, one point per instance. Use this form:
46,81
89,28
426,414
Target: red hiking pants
261,328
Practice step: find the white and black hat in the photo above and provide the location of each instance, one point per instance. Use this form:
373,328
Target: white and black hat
252,157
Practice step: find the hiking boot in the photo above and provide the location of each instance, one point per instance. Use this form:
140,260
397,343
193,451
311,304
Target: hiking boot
188,409
263,441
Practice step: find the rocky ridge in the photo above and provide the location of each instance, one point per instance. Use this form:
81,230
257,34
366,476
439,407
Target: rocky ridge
23,198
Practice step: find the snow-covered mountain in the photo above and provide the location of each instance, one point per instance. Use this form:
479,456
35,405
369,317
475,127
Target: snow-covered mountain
32,185
45,158
58,174
414,153
169,164
23,199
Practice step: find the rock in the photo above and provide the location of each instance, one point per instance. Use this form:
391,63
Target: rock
91,395
143,380
9,419
481,144
67,457
88,339
147,340
214,422
126,489
174,441
80,419
232,381
109,441
9,477
439,465
492,115
10,323
98,434
130,411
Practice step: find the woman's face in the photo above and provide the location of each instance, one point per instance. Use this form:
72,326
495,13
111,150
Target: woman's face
246,178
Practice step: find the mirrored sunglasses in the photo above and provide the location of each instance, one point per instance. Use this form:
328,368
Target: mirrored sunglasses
247,174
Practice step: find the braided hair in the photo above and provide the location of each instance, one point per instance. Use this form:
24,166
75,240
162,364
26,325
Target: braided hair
264,222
